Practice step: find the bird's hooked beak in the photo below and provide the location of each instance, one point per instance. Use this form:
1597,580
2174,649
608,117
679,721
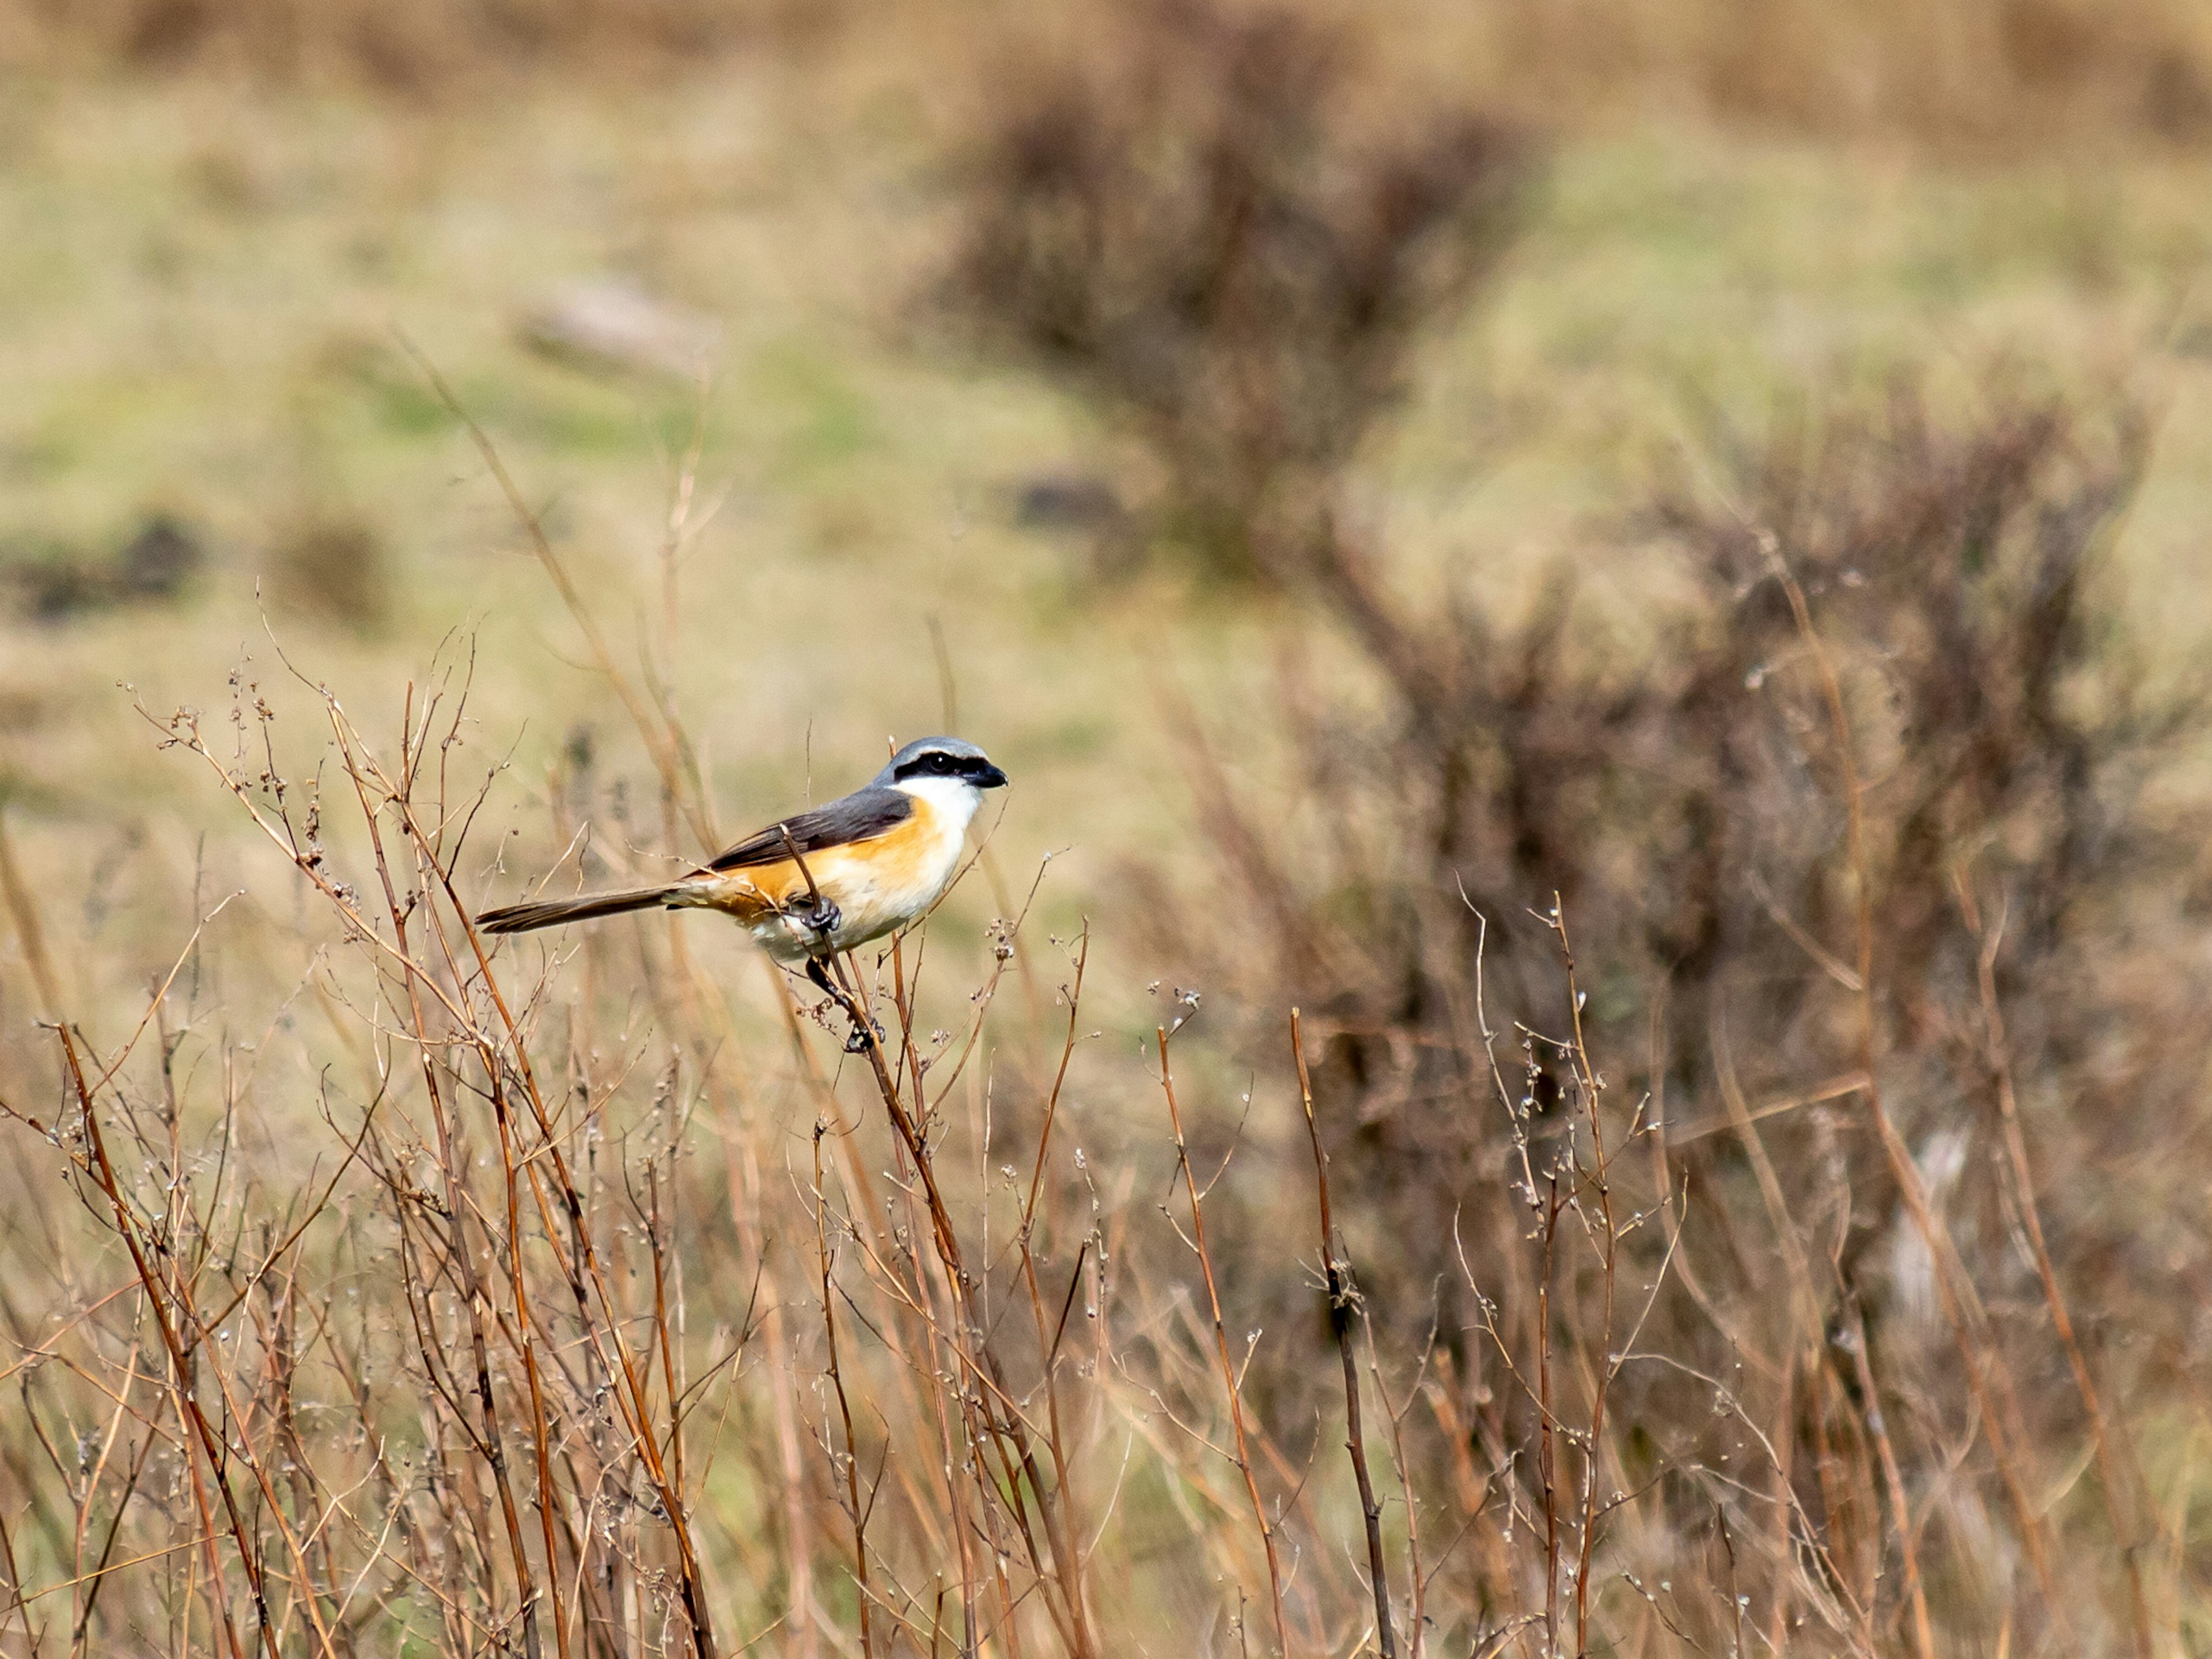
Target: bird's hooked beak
990,778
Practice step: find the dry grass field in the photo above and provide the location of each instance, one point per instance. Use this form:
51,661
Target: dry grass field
1643,571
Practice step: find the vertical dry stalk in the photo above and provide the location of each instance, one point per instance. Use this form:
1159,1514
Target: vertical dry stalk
994,1408
1548,1417
1221,1348
2117,1496
1877,1423
25,914
663,739
1343,1297
16,1604
440,994
1025,1242
1416,1581
157,1302
1606,1236
1981,1361
852,1453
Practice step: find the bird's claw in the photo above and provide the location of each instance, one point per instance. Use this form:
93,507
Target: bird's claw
856,1040
823,917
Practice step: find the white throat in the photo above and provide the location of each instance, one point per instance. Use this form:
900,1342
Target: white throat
955,798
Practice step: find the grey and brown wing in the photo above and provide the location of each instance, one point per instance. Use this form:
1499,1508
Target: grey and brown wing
861,816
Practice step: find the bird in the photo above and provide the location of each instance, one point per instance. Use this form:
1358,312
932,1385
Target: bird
825,880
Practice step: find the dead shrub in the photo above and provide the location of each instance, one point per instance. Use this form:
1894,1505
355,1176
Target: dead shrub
1862,834
1233,225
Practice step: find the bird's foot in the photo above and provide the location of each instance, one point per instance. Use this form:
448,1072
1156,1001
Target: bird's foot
857,1039
824,917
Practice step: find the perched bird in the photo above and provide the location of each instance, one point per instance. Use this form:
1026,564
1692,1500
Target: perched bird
878,859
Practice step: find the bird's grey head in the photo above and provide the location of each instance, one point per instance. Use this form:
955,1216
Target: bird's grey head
942,758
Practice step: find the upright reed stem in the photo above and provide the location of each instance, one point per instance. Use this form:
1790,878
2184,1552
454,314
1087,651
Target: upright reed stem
1221,1348
1343,1297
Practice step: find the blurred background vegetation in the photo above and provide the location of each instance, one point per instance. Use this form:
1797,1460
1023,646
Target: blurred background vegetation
1334,457
219,213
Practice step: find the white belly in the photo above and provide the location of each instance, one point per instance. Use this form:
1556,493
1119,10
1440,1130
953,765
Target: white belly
878,887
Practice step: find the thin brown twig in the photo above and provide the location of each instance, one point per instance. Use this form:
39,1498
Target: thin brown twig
1877,1423
666,751
1978,1353
1006,1434
852,1459
2108,1474
188,1403
1344,1298
1221,1346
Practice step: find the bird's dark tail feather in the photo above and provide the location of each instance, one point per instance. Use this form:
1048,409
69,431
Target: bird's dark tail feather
551,912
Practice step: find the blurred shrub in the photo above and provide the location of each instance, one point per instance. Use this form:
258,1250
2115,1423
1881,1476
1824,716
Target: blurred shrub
1711,841
336,567
54,580
1678,791
1233,226
157,561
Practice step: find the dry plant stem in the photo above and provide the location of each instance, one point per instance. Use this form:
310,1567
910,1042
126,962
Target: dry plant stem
587,1265
24,912
666,747
674,760
1547,1452
1049,1346
490,1438
1842,1499
741,1170
540,1435
962,1323
218,1596
81,1600
1221,1350
1804,1317
1417,1581
1004,1431
1915,1594
844,1408
1978,1356
949,1420
187,1401
15,1601
1608,1250
2108,1474
691,1580
670,1383
956,1491
676,531
1343,1300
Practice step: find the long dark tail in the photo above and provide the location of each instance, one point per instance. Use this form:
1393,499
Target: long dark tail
551,912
